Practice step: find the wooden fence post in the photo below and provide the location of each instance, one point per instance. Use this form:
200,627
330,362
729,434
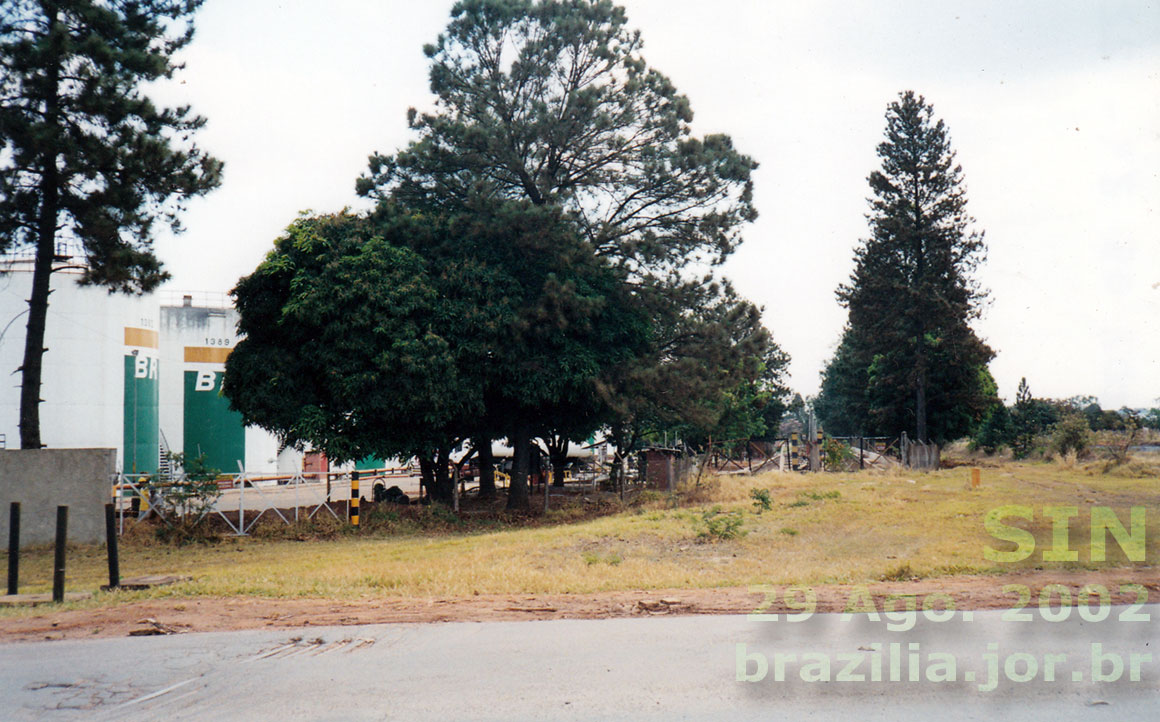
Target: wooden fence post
14,547
111,546
58,562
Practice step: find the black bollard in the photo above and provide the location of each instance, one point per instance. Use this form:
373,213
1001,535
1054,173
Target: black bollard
58,564
14,547
111,545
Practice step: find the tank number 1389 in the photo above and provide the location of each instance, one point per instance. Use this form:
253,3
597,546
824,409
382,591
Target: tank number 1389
217,342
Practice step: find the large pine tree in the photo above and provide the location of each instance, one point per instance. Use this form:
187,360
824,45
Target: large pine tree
85,157
909,358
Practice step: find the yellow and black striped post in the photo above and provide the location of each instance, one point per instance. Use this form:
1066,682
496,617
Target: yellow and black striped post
793,451
354,498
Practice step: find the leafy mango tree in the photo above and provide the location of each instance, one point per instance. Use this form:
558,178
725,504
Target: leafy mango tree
404,333
344,345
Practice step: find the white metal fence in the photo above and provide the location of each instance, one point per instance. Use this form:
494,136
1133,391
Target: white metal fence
243,499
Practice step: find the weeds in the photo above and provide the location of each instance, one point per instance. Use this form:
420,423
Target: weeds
592,558
761,500
823,496
721,525
184,505
805,497
900,573
416,552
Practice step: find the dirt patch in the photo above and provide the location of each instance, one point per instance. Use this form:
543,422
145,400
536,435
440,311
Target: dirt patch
216,615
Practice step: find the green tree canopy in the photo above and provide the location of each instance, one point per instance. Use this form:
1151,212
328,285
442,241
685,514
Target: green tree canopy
85,157
403,333
550,101
912,295
343,347
711,370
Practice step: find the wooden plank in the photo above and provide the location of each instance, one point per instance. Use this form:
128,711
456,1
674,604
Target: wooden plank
31,600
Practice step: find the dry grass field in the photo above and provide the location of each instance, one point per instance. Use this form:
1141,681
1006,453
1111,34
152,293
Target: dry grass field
819,529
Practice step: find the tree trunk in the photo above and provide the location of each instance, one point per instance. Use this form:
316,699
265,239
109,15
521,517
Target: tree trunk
558,455
427,474
920,409
558,464
518,491
33,365
920,386
31,370
624,438
486,468
444,491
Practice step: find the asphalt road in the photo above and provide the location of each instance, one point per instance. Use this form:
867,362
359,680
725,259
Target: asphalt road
975,666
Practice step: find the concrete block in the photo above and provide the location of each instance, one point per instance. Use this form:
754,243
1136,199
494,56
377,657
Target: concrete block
42,480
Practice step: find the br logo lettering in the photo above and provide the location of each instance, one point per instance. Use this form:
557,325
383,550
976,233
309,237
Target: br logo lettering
206,381
144,367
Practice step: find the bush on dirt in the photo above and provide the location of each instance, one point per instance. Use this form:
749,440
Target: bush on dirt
185,503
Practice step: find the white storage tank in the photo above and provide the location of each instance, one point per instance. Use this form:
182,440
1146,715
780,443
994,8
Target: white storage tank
100,380
198,332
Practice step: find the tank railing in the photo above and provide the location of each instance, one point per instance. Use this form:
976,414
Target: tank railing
198,299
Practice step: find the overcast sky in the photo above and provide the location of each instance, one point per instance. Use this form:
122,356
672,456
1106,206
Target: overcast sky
1053,108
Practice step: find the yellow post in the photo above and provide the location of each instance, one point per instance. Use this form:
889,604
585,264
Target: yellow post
354,498
975,474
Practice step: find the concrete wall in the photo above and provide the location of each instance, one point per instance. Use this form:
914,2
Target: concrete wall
42,480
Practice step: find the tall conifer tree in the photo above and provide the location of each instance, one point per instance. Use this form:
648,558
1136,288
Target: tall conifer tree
912,295
85,157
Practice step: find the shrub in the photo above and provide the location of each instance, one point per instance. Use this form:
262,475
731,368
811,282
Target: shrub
836,455
1071,435
996,431
721,525
761,500
184,504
